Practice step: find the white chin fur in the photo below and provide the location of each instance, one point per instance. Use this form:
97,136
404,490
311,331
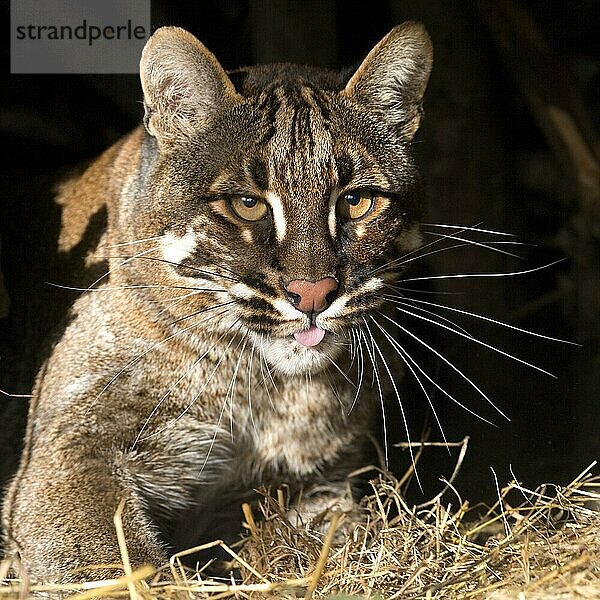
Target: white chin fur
287,357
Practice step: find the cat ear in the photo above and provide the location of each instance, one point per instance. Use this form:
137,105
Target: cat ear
184,85
393,77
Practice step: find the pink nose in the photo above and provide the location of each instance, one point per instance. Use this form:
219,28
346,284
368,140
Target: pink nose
311,296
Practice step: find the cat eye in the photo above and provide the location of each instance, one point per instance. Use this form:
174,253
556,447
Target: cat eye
356,204
248,208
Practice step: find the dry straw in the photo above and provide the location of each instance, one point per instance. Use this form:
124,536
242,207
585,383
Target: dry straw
531,545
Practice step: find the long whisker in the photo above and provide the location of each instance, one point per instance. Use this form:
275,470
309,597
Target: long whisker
467,228
487,246
360,368
409,302
220,419
202,310
476,340
175,264
434,242
449,363
199,393
139,357
132,287
490,320
269,374
405,259
406,356
122,264
264,368
474,275
371,354
231,388
132,243
335,392
353,349
249,379
402,353
400,404
220,265
417,251
177,300
339,369
174,386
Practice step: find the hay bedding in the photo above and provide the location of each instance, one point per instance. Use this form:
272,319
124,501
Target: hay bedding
532,545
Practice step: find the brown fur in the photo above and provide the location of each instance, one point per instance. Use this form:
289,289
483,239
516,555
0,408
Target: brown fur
176,403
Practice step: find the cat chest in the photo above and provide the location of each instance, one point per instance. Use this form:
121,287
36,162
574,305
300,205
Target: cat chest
298,436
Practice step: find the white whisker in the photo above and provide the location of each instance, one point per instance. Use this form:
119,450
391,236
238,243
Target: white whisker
409,302
418,253
371,353
360,368
406,356
131,287
339,369
402,411
174,386
472,275
494,321
486,245
199,270
198,394
249,378
264,369
231,389
447,362
149,239
221,413
402,353
144,353
122,264
476,340
202,310
467,228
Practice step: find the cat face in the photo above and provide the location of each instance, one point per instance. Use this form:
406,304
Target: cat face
278,199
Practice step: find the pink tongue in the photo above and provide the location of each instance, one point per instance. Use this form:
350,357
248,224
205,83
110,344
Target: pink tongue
311,336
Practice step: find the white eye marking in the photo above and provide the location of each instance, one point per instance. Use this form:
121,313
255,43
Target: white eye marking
247,236
331,217
175,248
360,231
278,217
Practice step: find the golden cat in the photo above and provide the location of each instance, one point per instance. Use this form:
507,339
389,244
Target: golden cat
251,225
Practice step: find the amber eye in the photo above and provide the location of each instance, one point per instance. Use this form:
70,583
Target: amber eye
356,205
248,209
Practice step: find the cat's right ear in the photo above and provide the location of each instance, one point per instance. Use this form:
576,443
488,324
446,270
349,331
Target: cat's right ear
184,85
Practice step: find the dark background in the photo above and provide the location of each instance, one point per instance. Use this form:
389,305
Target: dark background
490,155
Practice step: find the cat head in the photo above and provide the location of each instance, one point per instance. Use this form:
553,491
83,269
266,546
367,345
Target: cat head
278,192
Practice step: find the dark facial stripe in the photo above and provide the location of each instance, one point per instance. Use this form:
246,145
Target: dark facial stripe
261,322
268,106
257,304
345,169
257,281
258,171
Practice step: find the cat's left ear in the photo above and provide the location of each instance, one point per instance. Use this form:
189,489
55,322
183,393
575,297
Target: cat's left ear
393,77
